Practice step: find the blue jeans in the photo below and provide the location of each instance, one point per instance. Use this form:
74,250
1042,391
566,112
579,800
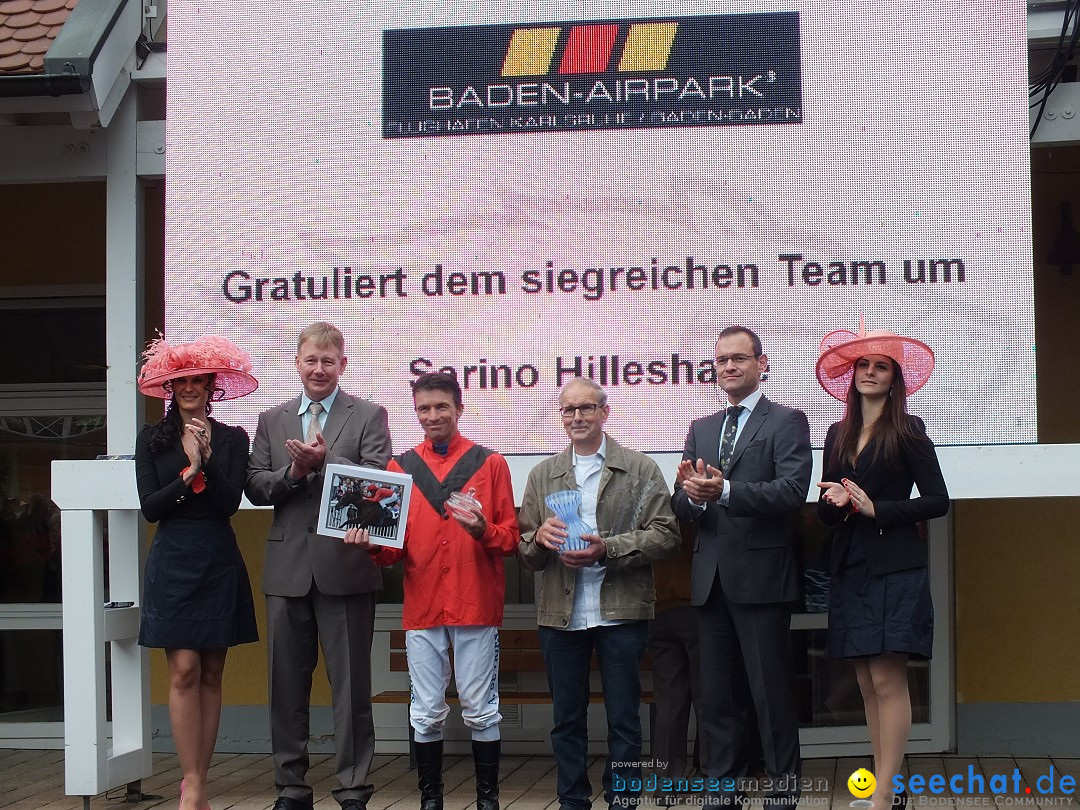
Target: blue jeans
567,654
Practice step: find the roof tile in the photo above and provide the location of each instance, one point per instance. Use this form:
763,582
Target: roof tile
24,19
31,32
38,46
14,63
27,29
15,6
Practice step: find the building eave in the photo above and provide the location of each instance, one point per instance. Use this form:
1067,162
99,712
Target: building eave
87,69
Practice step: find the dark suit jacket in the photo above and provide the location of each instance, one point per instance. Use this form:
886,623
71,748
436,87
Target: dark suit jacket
356,432
891,538
750,543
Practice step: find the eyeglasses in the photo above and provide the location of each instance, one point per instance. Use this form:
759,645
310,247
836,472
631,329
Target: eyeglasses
588,409
737,359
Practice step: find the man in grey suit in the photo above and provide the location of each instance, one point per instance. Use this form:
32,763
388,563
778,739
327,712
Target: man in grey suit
744,475
318,590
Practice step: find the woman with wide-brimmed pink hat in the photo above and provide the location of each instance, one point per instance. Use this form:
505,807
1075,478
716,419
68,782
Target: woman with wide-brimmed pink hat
880,613
197,602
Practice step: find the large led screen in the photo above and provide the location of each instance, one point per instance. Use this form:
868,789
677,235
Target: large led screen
522,193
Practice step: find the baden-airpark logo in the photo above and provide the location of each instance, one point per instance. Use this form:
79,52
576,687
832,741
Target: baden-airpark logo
709,70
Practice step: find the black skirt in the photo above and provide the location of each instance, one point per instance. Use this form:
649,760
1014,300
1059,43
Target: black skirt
197,593
872,614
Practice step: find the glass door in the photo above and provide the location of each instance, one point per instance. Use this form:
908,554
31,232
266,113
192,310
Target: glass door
53,407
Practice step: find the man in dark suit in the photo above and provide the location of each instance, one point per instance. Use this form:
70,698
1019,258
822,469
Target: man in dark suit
745,472
317,588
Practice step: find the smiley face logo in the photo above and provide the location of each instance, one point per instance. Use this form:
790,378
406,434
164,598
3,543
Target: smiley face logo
861,783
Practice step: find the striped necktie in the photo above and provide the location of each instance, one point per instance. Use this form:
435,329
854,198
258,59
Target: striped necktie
313,428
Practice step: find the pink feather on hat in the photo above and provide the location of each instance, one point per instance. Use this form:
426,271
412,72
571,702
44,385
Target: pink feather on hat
209,354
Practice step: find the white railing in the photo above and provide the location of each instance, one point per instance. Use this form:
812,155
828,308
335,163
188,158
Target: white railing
100,755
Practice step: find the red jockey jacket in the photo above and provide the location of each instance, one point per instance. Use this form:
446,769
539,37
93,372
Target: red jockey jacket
450,577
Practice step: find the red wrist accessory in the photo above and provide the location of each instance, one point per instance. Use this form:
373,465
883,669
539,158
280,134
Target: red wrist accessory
198,483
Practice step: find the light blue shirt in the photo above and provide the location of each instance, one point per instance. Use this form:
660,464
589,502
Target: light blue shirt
305,417
586,610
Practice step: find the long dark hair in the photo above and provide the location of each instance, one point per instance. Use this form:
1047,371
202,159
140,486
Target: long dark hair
166,433
891,430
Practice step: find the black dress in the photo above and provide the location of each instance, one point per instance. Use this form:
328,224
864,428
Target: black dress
879,593
871,614
196,592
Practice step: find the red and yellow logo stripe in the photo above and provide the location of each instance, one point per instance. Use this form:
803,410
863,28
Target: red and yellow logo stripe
589,49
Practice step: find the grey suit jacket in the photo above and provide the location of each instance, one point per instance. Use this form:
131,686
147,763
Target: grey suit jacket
356,432
750,542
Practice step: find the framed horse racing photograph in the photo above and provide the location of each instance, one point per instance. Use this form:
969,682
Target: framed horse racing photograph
365,498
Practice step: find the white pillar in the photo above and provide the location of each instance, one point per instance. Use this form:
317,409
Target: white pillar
85,738
124,273
124,331
97,756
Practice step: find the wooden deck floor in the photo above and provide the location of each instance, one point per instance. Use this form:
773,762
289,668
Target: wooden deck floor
34,780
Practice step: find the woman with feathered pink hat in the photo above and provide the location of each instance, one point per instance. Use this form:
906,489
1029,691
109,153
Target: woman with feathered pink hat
197,602
880,613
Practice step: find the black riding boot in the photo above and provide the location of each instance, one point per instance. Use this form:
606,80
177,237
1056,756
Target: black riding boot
429,774
486,761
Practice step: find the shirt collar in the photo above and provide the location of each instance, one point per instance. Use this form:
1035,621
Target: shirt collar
429,445
599,455
751,401
327,402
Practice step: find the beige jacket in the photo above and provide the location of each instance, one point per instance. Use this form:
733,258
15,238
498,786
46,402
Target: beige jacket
634,518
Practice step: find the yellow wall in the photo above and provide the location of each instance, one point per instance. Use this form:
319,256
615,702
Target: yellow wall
1017,600
1017,603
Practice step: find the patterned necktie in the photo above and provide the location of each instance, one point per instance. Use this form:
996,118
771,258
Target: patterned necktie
727,443
313,428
